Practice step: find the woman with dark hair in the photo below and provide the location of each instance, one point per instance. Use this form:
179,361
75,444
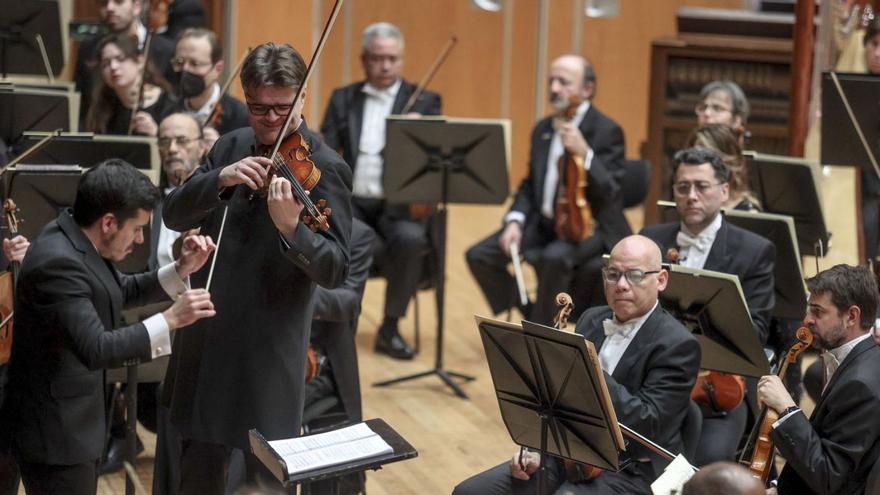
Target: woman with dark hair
120,65
727,142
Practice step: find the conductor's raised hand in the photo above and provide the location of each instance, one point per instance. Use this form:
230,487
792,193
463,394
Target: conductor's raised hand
193,254
284,207
250,171
190,307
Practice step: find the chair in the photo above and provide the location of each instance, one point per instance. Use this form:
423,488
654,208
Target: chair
872,487
691,429
634,182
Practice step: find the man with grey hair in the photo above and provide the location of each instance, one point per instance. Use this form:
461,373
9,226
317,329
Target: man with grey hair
354,125
247,369
530,222
723,102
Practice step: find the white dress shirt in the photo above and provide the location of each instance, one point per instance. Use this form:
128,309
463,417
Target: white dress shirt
694,256
616,343
367,181
157,326
551,175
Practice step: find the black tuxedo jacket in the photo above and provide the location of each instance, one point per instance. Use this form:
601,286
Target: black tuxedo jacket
245,368
833,452
605,137
86,72
738,252
336,314
68,328
343,118
651,385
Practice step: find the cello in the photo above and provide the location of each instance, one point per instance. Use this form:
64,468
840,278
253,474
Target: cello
762,454
7,287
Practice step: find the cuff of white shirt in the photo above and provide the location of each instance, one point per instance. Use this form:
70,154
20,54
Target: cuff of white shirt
588,160
515,216
782,419
160,335
171,282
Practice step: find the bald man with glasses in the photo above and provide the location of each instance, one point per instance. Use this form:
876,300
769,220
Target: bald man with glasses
704,239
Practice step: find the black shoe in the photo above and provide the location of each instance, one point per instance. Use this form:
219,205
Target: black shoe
393,346
112,461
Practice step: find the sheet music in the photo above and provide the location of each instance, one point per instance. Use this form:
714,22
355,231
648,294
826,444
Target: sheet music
331,448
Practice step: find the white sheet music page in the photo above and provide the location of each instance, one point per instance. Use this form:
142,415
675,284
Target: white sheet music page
676,474
331,448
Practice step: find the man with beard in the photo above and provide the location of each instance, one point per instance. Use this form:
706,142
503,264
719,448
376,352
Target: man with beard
530,222
833,450
198,65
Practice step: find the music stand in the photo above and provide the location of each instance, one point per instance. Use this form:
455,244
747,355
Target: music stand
445,161
20,23
552,395
788,275
33,109
87,150
841,144
712,306
790,186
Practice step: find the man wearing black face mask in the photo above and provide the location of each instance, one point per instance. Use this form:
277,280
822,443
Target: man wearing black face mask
198,63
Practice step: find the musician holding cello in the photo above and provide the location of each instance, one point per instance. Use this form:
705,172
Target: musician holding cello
588,140
242,370
833,450
354,125
650,363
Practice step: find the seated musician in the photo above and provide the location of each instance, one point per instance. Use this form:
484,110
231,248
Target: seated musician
704,239
119,91
530,222
119,17
198,65
833,450
723,102
650,364
354,125
727,141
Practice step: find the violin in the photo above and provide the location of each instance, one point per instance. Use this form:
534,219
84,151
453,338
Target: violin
762,454
573,219
292,162
7,287
720,391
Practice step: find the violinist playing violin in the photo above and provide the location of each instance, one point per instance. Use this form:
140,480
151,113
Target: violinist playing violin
650,363
354,125
241,371
594,143
833,450
704,239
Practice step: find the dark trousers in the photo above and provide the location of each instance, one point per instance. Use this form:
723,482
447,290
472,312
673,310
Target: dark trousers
166,466
406,245
204,468
633,479
721,435
9,475
555,262
78,479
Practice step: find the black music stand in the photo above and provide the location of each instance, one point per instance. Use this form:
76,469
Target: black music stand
788,275
712,306
87,150
20,23
34,109
552,393
841,144
790,186
402,450
445,161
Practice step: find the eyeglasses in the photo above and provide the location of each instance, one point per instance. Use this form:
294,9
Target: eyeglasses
260,109
178,63
634,276
165,142
702,187
713,108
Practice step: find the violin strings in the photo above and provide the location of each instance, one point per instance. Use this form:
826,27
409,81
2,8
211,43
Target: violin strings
282,167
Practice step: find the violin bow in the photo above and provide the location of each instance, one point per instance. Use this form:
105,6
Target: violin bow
282,134
429,75
141,84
